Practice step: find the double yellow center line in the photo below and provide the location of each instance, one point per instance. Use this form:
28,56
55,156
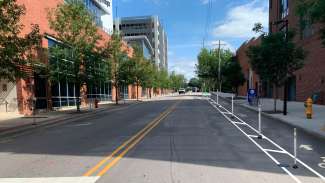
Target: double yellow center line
108,162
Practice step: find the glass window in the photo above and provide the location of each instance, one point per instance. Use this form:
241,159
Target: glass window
71,89
55,89
51,42
284,8
63,89
95,11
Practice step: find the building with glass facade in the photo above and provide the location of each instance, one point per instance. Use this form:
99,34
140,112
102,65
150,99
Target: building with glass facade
143,43
45,93
103,13
64,91
148,26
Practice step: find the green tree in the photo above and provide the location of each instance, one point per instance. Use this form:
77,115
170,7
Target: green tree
161,78
16,52
151,72
75,27
97,69
207,68
276,59
194,82
141,69
233,75
177,81
120,69
310,12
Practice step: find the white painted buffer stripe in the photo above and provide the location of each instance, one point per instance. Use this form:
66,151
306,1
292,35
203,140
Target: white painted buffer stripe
50,180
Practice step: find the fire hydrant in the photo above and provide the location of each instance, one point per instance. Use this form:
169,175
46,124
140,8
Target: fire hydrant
96,103
309,108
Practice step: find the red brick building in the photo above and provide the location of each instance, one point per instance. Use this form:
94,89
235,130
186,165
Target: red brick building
252,80
49,94
310,80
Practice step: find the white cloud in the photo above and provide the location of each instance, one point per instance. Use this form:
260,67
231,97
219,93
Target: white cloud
241,19
183,66
223,44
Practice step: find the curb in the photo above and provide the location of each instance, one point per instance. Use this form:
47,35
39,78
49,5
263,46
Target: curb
311,132
53,122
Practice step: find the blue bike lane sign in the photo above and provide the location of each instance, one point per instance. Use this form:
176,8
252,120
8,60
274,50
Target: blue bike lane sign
251,96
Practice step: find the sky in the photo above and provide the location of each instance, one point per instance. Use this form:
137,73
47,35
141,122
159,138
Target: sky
189,22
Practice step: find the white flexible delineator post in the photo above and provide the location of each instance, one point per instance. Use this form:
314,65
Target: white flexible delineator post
295,148
232,104
218,97
260,121
225,111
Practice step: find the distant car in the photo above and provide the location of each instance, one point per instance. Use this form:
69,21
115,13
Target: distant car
181,91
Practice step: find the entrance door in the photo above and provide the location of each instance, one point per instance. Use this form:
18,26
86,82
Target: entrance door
40,92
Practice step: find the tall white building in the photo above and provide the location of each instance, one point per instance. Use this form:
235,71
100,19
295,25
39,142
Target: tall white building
151,27
103,13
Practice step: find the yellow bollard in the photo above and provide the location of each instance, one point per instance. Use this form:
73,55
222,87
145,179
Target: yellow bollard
309,108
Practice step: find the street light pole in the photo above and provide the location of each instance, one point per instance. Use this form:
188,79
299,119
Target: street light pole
285,107
219,67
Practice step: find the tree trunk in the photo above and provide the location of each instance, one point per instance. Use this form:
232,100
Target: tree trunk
236,91
78,96
116,94
137,91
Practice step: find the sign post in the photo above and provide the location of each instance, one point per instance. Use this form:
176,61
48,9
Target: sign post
295,166
251,95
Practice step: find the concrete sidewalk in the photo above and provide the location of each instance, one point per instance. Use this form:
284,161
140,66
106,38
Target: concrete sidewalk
11,123
296,114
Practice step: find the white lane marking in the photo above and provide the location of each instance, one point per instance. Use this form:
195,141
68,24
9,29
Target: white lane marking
275,151
306,147
322,165
50,180
253,136
82,124
225,112
261,148
238,123
278,146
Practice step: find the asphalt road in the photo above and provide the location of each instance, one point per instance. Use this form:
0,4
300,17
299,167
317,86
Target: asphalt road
183,139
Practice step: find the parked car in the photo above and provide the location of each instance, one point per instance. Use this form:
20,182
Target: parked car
181,91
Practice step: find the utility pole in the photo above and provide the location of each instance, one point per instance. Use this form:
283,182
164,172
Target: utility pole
219,65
